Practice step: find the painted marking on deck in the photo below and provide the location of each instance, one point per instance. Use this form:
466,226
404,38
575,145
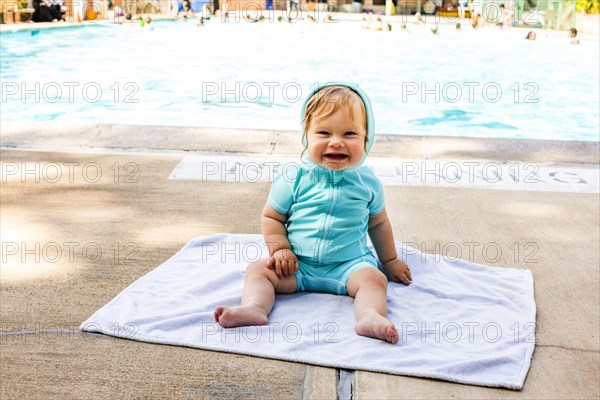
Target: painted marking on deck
467,174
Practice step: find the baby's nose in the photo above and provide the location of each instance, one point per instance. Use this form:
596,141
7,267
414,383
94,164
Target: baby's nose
336,141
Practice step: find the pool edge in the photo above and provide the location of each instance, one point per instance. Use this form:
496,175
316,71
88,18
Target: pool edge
15,134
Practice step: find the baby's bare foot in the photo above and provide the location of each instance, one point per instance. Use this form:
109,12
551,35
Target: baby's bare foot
230,317
376,326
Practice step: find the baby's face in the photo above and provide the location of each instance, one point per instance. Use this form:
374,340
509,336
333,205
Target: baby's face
337,142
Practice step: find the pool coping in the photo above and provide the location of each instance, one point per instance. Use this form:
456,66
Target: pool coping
111,137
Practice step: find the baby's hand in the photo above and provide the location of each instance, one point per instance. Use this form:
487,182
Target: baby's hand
398,271
284,262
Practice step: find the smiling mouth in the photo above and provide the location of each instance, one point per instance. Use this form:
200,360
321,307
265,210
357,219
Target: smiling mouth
336,156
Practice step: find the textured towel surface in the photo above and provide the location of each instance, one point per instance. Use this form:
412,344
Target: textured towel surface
458,321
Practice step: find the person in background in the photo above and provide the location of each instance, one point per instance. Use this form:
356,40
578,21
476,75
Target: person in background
419,19
476,20
294,5
573,36
59,9
186,8
45,12
366,23
462,6
506,17
531,35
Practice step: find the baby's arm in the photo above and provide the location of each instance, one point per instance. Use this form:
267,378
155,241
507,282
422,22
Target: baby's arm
380,232
282,259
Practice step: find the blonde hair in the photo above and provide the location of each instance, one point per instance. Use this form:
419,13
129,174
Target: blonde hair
328,101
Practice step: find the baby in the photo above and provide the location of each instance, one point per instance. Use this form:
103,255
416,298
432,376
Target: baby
315,222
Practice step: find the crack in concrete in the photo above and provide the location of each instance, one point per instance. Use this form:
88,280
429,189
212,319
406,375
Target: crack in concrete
555,346
117,150
273,143
36,331
424,149
98,129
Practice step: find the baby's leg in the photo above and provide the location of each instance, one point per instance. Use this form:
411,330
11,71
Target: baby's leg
260,286
368,286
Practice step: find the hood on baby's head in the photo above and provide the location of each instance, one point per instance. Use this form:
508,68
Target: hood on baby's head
368,110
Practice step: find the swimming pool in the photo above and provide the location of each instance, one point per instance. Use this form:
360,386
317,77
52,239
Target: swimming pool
483,83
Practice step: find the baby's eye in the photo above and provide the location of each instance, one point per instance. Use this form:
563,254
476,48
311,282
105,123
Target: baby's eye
350,133
325,133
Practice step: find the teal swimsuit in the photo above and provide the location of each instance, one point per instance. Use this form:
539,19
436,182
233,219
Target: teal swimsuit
328,214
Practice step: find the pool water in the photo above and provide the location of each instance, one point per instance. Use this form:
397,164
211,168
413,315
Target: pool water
484,83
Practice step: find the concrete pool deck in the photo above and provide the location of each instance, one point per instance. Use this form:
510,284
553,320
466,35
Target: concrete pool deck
73,239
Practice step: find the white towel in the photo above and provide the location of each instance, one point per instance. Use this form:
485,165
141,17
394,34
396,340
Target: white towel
457,321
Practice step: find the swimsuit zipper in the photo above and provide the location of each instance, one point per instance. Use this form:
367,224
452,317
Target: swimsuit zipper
320,249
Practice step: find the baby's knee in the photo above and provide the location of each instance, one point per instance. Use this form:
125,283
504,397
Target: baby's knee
374,277
260,269
257,268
